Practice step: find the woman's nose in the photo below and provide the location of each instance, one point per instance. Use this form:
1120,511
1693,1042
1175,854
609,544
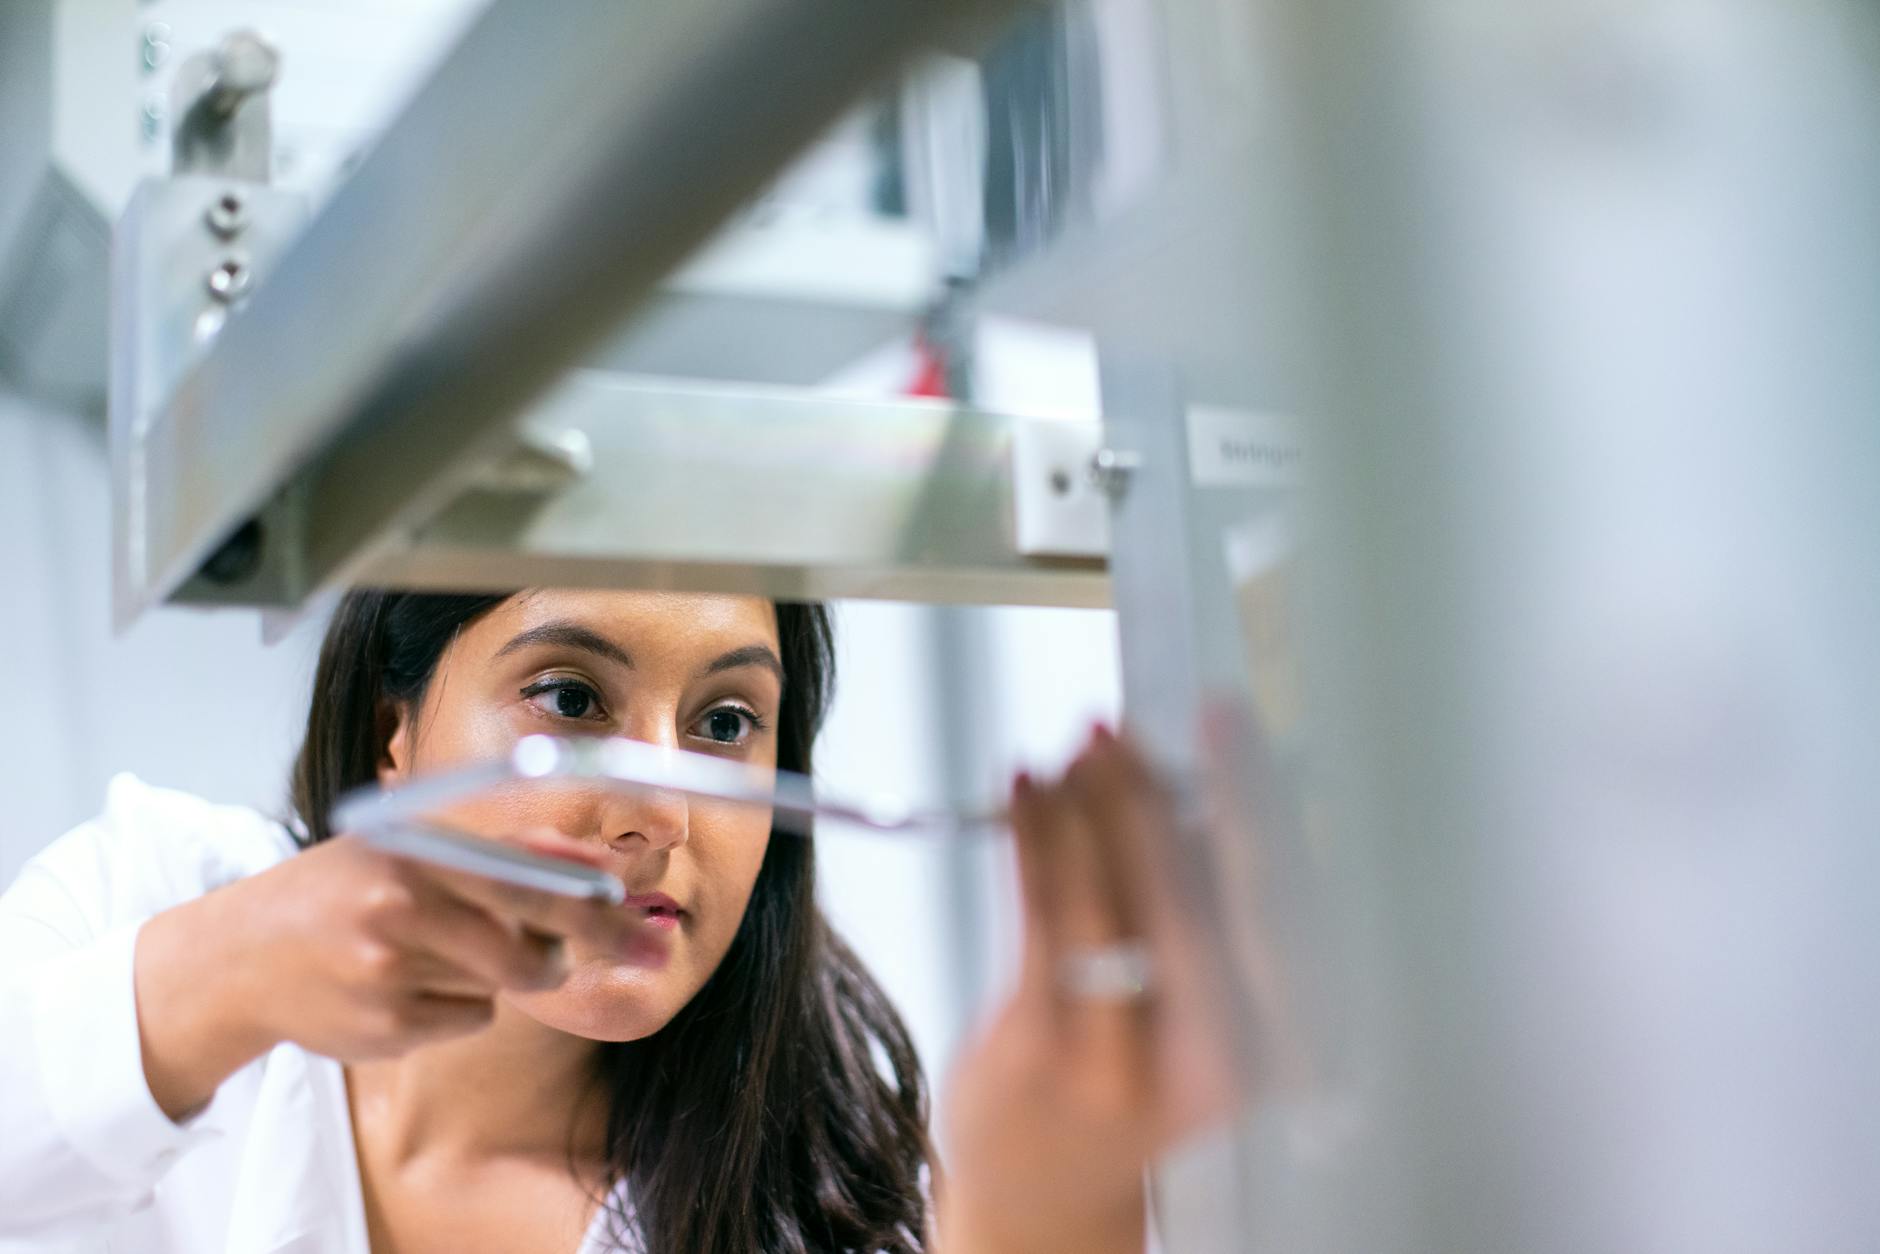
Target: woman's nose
655,818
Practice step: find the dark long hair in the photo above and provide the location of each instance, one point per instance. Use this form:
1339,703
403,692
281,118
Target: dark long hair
783,1109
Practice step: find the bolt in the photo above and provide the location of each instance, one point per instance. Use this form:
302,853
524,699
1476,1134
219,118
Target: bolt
245,65
228,216
229,282
1111,469
1060,482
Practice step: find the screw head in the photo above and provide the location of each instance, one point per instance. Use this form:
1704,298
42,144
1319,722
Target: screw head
227,215
230,281
156,46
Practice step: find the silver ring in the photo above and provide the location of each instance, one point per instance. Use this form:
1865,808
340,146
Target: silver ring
1121,972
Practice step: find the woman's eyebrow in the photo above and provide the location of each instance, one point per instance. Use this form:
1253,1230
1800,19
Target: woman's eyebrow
569,635
749,655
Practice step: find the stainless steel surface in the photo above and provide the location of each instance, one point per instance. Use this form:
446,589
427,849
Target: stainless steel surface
461,851
562,160
778,492
1185,651
168,262
632,765
54,236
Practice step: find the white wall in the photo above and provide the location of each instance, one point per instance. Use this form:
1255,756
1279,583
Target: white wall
936,916
185,699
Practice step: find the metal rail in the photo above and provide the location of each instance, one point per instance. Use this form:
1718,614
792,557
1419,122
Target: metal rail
777,493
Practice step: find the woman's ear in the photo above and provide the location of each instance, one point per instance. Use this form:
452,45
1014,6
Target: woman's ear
392,731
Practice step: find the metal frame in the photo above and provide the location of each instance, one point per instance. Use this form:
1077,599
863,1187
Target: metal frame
616,481
486,243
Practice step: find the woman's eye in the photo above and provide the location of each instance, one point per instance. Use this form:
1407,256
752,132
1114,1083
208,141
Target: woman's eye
726,725
564,698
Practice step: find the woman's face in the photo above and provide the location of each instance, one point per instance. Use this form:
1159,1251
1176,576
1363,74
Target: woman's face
694,672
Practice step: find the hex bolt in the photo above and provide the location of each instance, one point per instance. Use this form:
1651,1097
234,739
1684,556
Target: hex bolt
230,281
1111,469
228,216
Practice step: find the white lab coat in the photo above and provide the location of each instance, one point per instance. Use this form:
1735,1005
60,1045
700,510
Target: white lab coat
88,1162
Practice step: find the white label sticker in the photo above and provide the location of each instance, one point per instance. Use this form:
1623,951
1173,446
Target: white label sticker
1235,448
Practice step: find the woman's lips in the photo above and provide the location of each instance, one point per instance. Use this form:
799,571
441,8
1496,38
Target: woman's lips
658,909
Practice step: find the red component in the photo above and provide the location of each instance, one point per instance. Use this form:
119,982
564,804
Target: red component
930,371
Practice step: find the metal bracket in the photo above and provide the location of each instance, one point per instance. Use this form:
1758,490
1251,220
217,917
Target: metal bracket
1058,509
186,255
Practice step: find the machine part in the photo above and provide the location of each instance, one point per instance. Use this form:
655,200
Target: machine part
898,500
544,461
1110,470
176,283
220,101
1057,512
231,278
228,216
1202,635
437,331
239,557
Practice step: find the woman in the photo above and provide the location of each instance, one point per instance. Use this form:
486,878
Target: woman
215,1034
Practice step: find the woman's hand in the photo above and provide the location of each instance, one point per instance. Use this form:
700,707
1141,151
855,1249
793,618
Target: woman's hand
1057,1110
348,952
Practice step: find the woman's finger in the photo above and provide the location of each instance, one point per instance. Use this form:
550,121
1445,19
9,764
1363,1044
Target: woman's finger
1112,807
427,974
436,1017
1037,880
468,939
596,924
1106,1031
1149,862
